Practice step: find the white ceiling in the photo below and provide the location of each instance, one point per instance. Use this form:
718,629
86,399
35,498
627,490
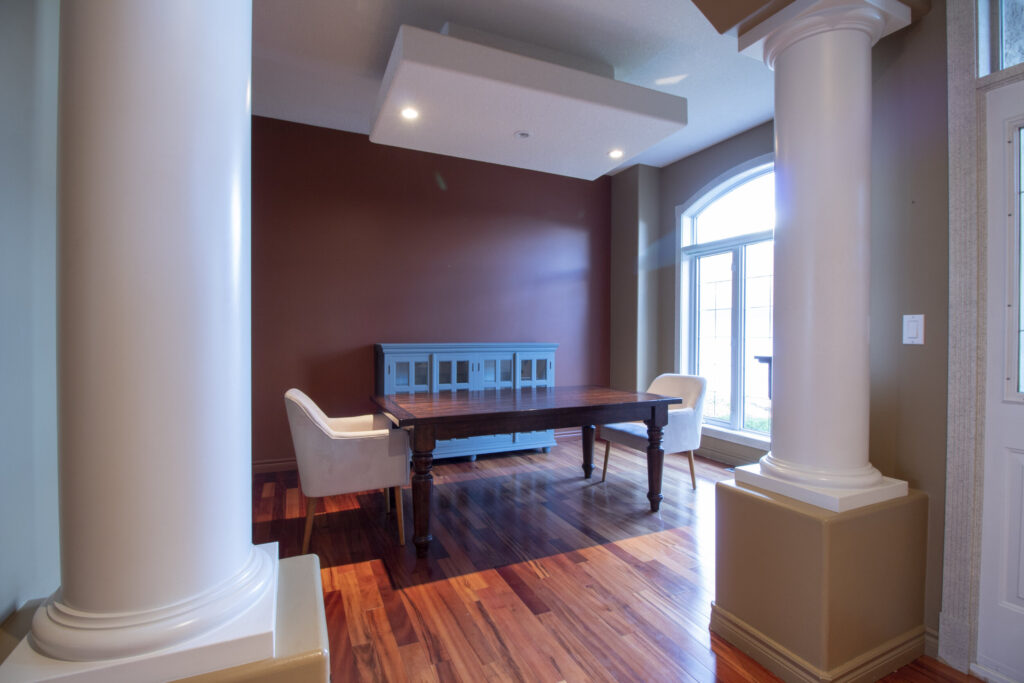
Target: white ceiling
321,62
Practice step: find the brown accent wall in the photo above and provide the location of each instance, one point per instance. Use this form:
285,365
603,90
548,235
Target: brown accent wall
355,243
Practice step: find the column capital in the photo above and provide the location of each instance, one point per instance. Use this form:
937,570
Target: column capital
805,18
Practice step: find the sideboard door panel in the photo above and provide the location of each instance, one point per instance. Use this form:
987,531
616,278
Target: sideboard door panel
407,374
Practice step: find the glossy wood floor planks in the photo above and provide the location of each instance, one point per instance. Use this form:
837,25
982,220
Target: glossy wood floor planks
535,574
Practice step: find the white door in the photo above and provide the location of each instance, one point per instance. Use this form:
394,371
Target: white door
1000,652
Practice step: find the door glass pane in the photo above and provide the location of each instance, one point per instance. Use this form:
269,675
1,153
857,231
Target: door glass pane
490,370
757,337
462,371
542,369
421,373
1020,255
714,332
506,371
526,373
444,372
402,374
1011,32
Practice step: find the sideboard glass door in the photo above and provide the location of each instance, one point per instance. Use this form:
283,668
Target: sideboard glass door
534,370
452,372
410,373
496,371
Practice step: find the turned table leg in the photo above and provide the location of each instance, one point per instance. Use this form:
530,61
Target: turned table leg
588,450
655,456
422,483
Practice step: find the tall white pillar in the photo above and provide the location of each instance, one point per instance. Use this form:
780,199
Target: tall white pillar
154,347
821,53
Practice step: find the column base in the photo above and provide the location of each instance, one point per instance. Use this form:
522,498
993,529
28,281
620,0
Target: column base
816,595
834,499
248,637
301,647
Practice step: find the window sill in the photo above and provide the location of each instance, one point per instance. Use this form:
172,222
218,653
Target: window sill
748,439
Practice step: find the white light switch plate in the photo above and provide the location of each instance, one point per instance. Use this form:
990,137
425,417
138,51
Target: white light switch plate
913,329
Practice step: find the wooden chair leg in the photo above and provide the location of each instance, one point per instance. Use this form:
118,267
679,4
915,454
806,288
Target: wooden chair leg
604,470
693,475
310,511
401,517
387,502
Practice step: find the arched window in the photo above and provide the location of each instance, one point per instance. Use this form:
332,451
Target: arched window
726,266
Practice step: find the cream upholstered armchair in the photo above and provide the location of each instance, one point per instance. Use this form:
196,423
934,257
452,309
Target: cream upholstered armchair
682,433
345,455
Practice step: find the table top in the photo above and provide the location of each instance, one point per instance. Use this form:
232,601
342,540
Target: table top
428,407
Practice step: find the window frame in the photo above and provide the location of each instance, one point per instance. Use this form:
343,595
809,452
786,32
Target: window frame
686,290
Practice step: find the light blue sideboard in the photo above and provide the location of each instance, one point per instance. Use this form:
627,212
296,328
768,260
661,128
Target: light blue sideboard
412,368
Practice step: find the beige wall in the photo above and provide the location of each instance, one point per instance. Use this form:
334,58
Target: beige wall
623,280
635,278
643,250
909,270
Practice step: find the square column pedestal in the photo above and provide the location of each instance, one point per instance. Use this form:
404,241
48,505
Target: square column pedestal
816,595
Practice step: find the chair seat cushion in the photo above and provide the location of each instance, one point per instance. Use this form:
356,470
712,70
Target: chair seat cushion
682,433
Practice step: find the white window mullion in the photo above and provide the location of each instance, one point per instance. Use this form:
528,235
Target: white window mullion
694,316
736,415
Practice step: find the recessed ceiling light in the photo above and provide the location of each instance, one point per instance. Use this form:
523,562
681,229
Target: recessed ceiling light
615,154
410,114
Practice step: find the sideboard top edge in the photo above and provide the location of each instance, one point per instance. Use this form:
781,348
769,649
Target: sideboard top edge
464,346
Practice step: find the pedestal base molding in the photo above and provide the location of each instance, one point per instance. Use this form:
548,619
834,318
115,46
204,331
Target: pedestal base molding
301,648
870,666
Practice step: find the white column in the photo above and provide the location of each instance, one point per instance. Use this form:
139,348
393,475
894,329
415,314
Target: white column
154,343
821,53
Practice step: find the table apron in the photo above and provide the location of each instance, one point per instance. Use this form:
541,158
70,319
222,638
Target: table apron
478,425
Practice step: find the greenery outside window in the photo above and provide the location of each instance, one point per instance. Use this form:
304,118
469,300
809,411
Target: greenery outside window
726,271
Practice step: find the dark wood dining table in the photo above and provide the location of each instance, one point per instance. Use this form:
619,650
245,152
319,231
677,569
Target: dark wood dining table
458,414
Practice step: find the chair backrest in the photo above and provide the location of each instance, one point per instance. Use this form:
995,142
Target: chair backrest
690,388
303,413
331,462
311,439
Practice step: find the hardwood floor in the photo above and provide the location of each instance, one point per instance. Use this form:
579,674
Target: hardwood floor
535,574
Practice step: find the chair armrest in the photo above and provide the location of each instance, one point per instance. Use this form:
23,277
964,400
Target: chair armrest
358,423
369,434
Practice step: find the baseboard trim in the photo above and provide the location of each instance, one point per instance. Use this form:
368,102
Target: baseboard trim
990,675
721,457
868,667
264,466
931,642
